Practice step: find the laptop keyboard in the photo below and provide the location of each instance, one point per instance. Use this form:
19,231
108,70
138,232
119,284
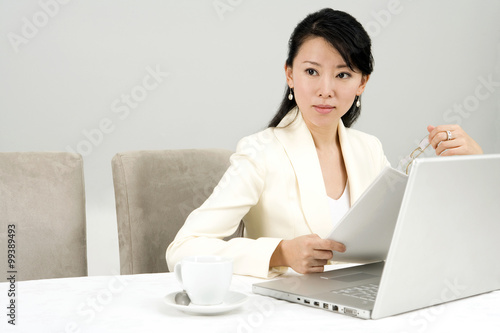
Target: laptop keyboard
366,292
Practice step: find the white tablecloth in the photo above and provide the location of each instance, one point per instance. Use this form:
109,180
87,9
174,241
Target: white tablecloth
134,303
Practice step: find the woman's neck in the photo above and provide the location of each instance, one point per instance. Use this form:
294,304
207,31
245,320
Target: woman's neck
324,137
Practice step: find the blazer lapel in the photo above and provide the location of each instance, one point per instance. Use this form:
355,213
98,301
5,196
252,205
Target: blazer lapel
356,168
299,146
350,163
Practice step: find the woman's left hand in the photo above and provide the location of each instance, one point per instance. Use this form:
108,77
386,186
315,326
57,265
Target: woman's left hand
459,144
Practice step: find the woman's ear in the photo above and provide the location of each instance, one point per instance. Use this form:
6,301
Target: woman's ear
362,85
289,75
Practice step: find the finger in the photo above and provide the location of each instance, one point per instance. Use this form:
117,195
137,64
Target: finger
311,266
449,144
435,136
441,129
444,128
454,151
460,148
328,244
322,254
436,140
441,137
339,247
315,269
318,262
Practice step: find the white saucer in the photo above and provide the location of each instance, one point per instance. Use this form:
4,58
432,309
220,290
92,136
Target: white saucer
232,301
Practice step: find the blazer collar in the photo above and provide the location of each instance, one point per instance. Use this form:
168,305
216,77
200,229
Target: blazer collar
300,149
352,164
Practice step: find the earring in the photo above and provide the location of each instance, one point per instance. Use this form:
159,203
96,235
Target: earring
358,102
290,96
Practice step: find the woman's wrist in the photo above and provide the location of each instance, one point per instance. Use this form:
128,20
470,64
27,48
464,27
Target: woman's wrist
278,256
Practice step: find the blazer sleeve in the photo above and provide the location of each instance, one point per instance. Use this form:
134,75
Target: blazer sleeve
379,155
219,216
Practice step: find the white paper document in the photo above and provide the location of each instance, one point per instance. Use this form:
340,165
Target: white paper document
367,228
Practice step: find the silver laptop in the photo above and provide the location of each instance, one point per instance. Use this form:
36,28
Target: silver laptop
444,247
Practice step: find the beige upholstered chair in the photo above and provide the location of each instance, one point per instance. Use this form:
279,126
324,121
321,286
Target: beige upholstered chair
155,191
42,196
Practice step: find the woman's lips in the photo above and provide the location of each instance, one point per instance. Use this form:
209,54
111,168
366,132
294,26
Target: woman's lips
323,109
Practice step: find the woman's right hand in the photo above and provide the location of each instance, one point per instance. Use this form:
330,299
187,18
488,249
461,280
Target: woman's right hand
305,254
459,144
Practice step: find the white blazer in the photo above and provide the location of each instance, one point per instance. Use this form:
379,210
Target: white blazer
275,185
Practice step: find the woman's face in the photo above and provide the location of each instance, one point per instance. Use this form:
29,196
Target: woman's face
324,87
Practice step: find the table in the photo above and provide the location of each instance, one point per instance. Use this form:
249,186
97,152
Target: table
134,303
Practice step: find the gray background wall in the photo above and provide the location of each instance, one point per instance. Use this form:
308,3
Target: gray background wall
101,77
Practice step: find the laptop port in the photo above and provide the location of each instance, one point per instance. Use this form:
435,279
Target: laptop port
335,308
350,311
316,303
307,301
325,306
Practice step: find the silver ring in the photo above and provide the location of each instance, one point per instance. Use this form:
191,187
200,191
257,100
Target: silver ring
449,135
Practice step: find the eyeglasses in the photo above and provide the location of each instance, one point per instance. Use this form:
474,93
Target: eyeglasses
405,163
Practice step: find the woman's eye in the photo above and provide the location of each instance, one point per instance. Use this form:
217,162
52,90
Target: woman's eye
311,71
344,75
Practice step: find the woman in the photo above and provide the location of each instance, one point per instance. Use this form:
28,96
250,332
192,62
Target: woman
293,181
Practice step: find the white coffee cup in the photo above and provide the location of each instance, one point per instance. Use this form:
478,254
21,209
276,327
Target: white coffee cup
206,279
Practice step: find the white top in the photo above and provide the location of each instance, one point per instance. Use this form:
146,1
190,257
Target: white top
339,207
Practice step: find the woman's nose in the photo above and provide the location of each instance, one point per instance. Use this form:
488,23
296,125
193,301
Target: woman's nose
326,88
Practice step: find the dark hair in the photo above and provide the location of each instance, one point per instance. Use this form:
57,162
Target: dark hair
346,35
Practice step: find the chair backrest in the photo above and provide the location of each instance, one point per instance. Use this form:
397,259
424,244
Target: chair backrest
155,191
42,209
